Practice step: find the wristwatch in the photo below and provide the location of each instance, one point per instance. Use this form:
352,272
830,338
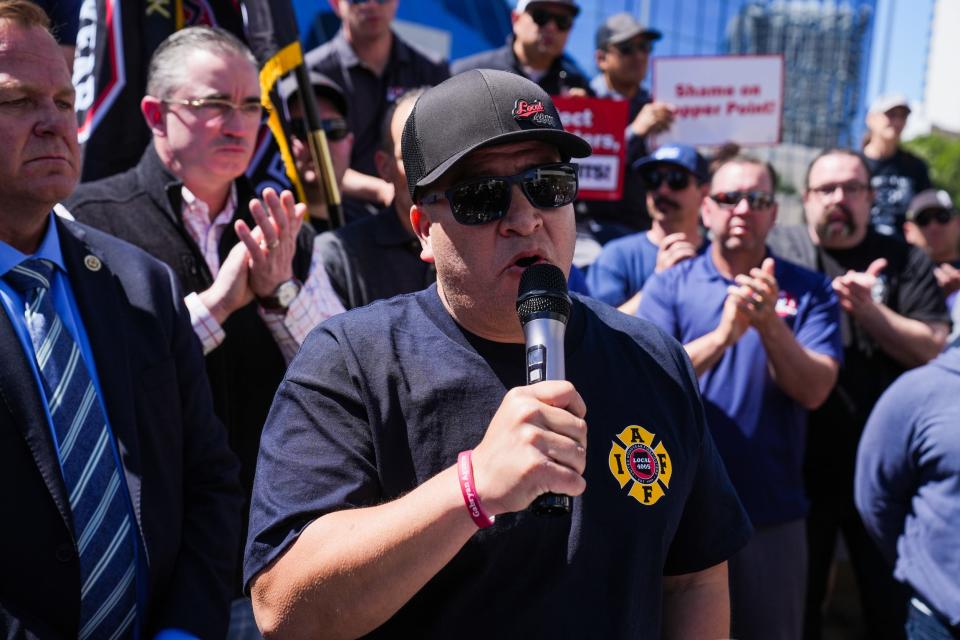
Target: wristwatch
279,301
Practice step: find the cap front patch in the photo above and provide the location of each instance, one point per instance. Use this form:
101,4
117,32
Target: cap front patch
534,113
634,460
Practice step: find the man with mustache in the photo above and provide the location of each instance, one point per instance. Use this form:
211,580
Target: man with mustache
675,177
894,319
404,447
764,337
255,285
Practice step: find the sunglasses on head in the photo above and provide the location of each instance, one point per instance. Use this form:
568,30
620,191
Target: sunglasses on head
335,128
925,217
487,199
755,199
631,47
676,179
541,16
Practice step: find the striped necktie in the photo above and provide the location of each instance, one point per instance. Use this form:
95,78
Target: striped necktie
102,522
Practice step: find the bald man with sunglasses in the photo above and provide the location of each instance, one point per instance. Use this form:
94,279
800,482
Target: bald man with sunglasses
535,48
404,448
764,338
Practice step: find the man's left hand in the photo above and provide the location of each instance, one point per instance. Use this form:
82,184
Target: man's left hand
273,242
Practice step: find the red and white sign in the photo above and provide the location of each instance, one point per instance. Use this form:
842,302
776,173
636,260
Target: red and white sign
602,123
721,99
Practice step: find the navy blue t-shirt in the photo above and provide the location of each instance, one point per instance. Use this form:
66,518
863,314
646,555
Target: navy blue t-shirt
759,430
382,398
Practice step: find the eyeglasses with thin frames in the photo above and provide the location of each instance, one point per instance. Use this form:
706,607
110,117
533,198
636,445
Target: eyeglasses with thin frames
852,189
212,108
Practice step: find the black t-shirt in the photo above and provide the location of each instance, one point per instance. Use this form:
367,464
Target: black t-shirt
382,398
895,181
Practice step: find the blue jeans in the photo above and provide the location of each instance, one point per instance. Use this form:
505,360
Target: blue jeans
925,626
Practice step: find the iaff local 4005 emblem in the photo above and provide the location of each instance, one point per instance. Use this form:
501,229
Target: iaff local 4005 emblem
634,460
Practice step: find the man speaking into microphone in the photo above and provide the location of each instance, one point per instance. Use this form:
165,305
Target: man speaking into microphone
404,446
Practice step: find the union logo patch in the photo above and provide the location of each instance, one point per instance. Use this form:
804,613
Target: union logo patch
532,112
634,460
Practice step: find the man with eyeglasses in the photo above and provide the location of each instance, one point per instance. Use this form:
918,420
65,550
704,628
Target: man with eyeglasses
623,48
763,335
535,48
255,286
374,66
405,426
894,318
675,178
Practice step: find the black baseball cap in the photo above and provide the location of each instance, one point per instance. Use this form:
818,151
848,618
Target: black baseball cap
621,27
323,87
475,109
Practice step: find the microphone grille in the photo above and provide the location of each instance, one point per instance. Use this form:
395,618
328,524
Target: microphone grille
543,289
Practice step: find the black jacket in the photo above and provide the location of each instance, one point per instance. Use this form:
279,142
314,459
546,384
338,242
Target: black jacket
143,206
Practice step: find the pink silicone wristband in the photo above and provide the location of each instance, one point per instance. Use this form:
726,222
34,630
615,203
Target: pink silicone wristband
468,488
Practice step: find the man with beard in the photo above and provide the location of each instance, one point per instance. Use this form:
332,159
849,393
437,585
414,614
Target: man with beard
535,48
366,517
676,179
764,337
894,319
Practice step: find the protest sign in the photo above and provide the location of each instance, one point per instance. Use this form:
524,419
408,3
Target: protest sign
601,123
721,99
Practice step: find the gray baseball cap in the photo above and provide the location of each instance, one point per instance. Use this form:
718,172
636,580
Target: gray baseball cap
621,27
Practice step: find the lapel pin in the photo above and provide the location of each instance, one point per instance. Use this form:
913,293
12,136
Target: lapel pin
92,262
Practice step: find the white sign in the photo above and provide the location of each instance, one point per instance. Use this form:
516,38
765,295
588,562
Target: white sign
721,99
599,173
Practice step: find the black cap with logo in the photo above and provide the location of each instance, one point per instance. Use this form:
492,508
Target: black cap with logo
475,109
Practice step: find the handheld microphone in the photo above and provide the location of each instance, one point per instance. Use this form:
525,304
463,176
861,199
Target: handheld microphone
543,306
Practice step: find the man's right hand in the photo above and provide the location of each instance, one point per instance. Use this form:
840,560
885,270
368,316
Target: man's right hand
674,248
231,288
654,117
535,444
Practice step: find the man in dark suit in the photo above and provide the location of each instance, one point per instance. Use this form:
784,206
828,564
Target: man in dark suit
121,495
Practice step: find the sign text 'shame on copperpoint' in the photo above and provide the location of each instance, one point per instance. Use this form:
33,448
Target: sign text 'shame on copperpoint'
720,99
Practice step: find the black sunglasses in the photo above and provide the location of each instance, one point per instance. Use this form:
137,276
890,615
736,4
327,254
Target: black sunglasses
676,179
335,128
631,47
925,217
755,199
487,199
541,16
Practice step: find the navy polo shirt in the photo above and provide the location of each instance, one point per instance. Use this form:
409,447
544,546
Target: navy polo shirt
759,430
382,398
368,94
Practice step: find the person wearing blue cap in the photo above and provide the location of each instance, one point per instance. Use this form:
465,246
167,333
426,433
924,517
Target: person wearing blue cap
764,338
675,177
